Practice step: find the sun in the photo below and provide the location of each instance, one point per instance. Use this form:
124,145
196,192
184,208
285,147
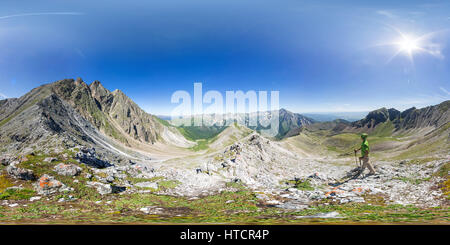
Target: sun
408,44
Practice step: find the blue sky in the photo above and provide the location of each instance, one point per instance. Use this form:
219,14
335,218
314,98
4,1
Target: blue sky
322,56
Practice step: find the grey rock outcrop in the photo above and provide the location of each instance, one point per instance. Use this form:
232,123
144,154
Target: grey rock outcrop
5,160
151,185
47,185
67,169
20,173
104,189
89,157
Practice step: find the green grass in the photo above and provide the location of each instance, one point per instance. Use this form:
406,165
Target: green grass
163,184
383,129
413,180
443,173
240,206
163,122
424,149
229,207
201,145
301,184
194,133
39,167
167,184
433,143
17,194
444,170
139,180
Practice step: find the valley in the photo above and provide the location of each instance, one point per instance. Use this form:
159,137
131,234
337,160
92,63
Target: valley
78,153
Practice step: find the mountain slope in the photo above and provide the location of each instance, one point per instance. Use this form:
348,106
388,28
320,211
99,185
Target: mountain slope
411,133
116,114
413,118
290,121
51,124
111,113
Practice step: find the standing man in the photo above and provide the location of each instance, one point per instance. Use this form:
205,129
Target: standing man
365,155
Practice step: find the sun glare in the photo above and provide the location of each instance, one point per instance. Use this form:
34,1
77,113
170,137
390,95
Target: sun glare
408,45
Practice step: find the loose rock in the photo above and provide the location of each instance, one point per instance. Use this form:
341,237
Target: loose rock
89,157
67,169
104,189
47,185
147,185
20,173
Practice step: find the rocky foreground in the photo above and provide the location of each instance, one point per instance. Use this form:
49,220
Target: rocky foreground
281,183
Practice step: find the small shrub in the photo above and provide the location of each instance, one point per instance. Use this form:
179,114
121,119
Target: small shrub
301,184
4,183
304,185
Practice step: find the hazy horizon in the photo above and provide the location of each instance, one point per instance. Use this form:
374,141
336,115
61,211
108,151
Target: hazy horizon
325,112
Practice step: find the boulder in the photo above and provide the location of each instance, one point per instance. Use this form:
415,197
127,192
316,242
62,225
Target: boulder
152,210
89,157
101,188
47,185
104,189
292,205
20,173
50,159
32,199
152,185
110,179
332,215
67,169
5,160
88,176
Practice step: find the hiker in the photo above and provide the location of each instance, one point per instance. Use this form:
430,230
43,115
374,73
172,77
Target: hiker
365,155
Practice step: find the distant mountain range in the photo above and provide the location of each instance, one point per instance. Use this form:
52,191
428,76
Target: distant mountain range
391,119
431,116
331,116
287,121
388,121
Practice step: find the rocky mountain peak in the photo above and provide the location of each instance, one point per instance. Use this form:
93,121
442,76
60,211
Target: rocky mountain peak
393,114
434,116
96,85
97,88
101,94
79,82
408,112
283,111
118,92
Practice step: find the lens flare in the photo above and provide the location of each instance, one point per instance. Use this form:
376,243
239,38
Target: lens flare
408,45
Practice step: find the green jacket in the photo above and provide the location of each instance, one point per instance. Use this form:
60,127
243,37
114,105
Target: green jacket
364,147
